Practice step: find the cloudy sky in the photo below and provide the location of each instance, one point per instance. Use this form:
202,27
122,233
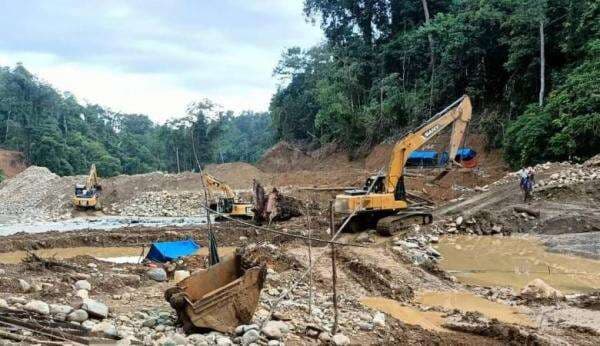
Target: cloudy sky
154,57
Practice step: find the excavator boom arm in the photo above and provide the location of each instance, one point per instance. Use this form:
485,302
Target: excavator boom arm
212,184
92,179
458,114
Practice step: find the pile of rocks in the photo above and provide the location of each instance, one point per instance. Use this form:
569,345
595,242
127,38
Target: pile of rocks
568,173
162,203
578,174
78,312
418,249
24,194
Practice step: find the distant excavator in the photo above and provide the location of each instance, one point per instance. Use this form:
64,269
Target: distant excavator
88,196
224,200
382,202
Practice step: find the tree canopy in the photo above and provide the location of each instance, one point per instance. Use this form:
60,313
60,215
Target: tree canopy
54,130
384,67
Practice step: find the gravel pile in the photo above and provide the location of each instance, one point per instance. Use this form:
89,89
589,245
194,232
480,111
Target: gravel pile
26,194
567,174
162,203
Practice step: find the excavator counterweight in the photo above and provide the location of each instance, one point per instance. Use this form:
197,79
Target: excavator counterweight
382,202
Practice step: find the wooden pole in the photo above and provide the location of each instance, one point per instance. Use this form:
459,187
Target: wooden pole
333,274
310,285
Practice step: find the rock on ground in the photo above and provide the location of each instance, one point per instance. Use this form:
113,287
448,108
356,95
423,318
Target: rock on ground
538,289
340,339
37,306
78,315
83,285
95,308
157,274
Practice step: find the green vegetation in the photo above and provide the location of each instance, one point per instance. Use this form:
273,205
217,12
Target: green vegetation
56,131
387,65
2,176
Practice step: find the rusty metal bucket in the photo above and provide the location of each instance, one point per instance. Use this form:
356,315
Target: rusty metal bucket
220,298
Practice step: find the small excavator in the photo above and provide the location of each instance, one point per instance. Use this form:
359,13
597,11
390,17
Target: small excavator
88,196
226,202
382,202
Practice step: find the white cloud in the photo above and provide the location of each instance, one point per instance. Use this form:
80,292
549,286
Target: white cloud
148,59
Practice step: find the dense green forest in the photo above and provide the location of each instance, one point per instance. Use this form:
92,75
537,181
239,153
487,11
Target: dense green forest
532,68
54,130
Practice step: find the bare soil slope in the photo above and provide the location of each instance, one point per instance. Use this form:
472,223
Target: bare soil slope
11,162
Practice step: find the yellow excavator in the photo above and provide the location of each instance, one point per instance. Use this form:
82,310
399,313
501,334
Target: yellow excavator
88,196
225,202
382,202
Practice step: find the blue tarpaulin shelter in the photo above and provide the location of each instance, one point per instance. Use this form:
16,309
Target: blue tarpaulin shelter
465,154
423,158
171,250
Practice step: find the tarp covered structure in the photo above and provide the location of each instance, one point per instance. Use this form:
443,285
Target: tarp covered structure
465,154
423,158
171,250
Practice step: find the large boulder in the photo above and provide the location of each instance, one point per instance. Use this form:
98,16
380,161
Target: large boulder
95,308
157,274
60,309
38,306
538,289
78,316
83,285
275,329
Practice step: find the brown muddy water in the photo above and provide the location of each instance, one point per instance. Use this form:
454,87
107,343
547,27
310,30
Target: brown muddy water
114,254
466,301
433,320
429,320
514,262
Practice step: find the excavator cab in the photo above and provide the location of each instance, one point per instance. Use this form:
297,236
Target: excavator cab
225,205
378,182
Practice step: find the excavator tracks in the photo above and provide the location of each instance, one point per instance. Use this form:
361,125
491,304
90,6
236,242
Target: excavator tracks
394,224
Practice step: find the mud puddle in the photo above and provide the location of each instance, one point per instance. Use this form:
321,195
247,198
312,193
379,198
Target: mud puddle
466,301
110,254
114,254
429,320
514,262
100,223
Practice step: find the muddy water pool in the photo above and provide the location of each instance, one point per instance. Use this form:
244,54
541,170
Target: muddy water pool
514,262
429,320
113,254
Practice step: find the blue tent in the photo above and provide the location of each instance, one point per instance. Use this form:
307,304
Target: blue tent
171,250
422,158
465,154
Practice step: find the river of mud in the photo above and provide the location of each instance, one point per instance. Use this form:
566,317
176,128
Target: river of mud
514,262
99,223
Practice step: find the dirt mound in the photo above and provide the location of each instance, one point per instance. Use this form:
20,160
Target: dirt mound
286,157
238,175
12,162
282,157
25,195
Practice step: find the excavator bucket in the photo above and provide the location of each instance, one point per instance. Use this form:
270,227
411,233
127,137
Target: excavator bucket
219,298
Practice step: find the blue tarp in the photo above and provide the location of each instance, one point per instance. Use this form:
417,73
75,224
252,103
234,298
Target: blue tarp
422,158
171,250
465,154
431,157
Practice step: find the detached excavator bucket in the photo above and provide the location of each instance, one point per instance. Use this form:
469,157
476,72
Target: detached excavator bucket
219,298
